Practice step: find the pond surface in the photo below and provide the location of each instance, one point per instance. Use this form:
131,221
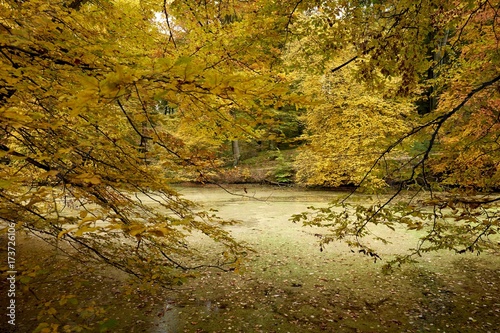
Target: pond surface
263,213
289,285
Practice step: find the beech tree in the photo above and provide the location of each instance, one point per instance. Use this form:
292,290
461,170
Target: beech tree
448,155
85,154
86,157
348,128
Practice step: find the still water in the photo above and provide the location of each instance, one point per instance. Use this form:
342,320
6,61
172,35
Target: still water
264,213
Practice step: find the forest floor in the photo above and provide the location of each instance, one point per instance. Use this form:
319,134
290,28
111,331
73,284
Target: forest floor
292,289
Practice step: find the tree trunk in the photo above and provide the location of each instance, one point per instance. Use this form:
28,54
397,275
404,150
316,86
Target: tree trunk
236,152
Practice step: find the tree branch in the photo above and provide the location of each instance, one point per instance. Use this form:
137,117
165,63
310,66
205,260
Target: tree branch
26,158
168,24
350,60
131,122
438,121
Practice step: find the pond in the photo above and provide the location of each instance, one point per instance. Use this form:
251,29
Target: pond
263,213
288,284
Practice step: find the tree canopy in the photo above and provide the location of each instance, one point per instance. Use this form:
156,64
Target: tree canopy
441,58
85,152
395,93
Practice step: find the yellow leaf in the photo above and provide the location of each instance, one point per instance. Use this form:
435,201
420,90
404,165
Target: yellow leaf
136,230
5,183
87,219
64,232
159,232
50,173
85,229
94,180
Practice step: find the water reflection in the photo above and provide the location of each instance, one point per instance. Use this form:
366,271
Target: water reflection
168,321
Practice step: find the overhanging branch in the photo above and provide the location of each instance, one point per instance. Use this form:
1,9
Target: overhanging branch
438,121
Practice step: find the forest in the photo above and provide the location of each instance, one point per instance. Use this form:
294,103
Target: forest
114,113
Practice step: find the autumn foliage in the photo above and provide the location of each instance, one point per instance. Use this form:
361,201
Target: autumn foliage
441,142
86,150
103,104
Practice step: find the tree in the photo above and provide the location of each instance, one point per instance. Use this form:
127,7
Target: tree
346,119
84,150
452,145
